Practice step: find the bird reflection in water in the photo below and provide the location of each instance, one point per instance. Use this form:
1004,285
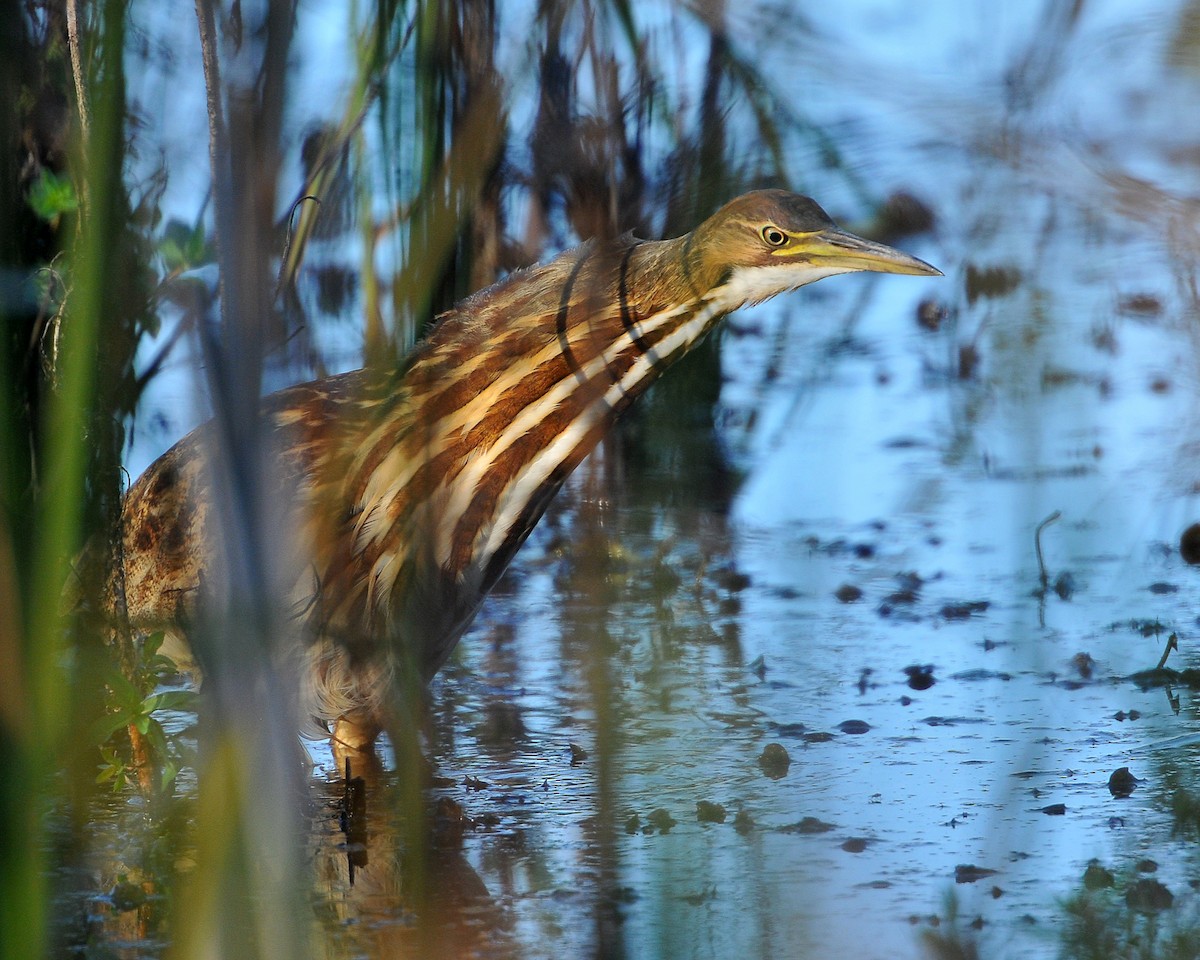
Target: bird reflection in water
394,893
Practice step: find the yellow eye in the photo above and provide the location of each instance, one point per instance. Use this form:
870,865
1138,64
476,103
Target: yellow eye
774,236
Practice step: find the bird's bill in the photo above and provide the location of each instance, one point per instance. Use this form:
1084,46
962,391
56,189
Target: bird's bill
839,250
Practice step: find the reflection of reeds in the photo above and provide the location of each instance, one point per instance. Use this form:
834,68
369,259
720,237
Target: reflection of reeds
615,142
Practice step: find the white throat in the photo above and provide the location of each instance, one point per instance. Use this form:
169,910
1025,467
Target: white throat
750,285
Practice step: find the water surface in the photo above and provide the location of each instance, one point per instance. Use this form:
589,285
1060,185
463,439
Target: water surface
868,503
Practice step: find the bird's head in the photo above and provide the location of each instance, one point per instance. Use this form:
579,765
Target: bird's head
771,241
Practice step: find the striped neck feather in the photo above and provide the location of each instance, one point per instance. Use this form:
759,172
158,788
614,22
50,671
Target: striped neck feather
511,391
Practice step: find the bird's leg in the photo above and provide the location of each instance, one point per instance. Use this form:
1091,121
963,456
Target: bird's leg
354,735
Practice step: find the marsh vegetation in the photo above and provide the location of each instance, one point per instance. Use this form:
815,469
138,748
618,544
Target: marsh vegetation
793,666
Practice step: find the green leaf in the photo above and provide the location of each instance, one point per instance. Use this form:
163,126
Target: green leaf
198,250
124,692
172,255
151,643
158,739
106,726
163,668
170,771
112,769
51,196
184,246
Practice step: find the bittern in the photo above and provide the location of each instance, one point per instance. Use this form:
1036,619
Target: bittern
413,489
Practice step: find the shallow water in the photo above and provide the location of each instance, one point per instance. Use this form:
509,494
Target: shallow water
672,619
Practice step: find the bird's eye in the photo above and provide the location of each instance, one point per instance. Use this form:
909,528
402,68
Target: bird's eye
774,236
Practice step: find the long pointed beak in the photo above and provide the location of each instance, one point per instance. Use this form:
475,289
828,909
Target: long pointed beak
844,251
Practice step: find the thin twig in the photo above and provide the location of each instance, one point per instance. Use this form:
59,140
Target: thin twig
1037,544
284,261
1172,644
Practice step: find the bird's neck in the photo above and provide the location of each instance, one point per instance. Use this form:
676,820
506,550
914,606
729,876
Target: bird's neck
512,389
561,352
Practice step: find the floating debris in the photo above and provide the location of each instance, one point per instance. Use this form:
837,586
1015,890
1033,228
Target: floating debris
906,594
897,598
1083,664
848,593
951,721
708,812
969,873
732,580
1122,783
774,760
920,676
962,611
1189,544
809,825
1064,585
974,676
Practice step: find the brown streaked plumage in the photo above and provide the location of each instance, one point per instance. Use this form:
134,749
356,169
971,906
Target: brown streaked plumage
411,490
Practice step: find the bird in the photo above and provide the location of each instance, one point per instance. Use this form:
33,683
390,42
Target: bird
407,491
